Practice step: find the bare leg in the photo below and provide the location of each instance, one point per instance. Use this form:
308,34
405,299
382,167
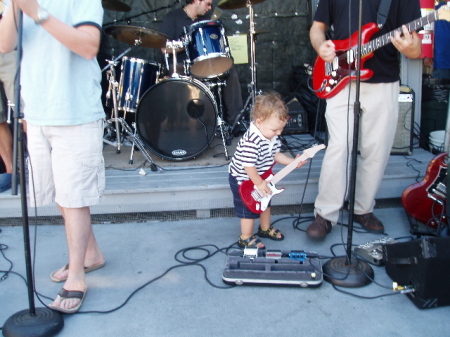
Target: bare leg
80,240
93,256
265,219
6,147
247,230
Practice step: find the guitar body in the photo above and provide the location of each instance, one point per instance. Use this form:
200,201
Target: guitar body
247,192
327,82
416,198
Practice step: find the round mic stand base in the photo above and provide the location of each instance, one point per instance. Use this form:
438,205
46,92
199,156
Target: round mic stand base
340,272
45,322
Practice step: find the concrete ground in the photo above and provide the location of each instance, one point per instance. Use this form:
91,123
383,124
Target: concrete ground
144,291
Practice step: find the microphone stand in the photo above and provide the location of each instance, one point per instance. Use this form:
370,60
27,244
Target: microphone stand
29,322
342,270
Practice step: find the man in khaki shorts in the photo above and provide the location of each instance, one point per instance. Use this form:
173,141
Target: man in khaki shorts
60,85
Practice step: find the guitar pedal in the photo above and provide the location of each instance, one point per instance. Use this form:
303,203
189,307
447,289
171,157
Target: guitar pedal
372,252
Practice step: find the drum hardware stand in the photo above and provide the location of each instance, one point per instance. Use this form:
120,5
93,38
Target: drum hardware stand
173,45
252,85
240,119
112,88
224,128
136,141
119,121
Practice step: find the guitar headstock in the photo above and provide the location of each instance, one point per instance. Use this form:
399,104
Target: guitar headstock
313,150
443,13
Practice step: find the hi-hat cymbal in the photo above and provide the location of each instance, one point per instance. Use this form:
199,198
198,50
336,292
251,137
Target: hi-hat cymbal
141,36
115,5
234,4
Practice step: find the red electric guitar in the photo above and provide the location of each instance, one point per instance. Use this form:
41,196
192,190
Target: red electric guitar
329,78
425,200
251,196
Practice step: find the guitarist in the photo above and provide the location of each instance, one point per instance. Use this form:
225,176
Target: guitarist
256,152
379,109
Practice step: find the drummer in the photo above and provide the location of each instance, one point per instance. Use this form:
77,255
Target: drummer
173,26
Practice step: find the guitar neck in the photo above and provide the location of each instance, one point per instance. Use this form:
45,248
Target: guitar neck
385,39
288,168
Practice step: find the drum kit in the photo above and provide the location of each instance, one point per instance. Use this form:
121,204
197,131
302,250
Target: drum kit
176,118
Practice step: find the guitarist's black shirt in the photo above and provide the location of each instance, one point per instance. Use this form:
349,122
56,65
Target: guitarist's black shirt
385,62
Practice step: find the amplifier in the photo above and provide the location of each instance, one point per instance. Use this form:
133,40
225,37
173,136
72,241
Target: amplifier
403,141
298,121
424,265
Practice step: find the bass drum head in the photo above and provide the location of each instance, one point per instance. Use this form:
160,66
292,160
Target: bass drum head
176,118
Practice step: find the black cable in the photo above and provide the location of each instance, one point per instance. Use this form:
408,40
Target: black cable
3,247
366,297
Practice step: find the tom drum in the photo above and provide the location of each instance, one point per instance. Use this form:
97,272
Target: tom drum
136,77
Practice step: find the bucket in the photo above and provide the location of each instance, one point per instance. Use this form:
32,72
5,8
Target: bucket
437,139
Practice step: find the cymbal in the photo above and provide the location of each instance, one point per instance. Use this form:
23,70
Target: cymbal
234,4
115,5
129,34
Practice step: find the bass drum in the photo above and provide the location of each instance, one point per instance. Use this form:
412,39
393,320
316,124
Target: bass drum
176,118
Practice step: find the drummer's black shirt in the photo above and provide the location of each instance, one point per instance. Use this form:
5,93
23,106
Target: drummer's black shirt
173,26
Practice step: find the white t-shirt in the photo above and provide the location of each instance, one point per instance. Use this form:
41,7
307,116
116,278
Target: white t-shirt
255,150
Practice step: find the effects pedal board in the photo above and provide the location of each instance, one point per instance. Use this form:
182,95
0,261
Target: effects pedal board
372,252
273,267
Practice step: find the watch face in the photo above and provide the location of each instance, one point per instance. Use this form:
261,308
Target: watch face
42,15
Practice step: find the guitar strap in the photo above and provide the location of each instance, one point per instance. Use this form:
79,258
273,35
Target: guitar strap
383,11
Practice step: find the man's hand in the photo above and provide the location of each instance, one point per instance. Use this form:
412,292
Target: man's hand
409,44
327,51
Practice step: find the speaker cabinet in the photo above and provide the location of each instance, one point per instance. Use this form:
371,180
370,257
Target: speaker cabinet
424,265
298,121
403,141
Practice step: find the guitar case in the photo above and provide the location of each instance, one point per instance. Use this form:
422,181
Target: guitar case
281,268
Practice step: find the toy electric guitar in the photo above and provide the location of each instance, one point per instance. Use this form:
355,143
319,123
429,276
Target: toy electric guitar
425,201
329,78
252,197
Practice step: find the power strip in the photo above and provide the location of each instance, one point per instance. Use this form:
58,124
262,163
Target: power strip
372,252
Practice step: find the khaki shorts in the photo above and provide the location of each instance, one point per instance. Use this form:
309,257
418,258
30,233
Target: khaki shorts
66,164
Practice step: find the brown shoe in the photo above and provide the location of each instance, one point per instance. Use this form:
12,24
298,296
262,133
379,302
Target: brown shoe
319,228
369,222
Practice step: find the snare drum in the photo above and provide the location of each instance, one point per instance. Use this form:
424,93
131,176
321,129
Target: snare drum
136,77
207,49
176,118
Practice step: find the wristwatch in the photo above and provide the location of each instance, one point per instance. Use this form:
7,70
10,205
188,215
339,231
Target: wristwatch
42,15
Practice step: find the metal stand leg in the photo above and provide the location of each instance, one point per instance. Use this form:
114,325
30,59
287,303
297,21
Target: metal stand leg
243,117
224,128
240,119
136,141
113,87
130,161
